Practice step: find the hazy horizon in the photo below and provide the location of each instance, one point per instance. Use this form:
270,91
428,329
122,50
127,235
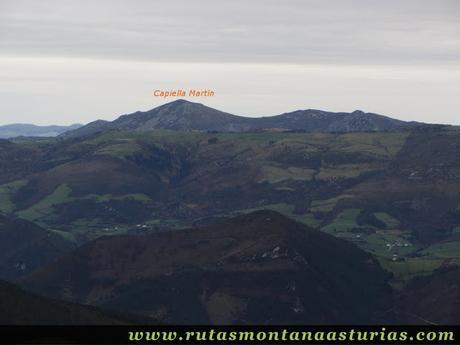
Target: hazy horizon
65,62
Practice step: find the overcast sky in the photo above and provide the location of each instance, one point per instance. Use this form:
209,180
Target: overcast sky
63,62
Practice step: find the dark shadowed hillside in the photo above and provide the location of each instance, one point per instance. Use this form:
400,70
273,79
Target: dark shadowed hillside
18,307
433,299
18,160
257,268
25,246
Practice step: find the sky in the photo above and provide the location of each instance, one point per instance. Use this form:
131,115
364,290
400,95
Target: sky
64,62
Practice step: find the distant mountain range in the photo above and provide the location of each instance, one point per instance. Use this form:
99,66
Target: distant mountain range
189,116
29,130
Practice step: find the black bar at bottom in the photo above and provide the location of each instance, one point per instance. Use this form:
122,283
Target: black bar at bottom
229,335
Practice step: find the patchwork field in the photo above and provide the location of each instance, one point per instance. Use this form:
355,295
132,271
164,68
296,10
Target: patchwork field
390,193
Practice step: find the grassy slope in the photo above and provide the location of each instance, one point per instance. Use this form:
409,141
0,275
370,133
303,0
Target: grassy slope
325,170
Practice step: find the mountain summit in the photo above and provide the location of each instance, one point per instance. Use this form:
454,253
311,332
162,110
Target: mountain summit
184,115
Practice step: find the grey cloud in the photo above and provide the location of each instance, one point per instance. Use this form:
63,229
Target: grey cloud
355,32
66,61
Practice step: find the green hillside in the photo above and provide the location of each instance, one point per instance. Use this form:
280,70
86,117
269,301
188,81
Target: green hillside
394,194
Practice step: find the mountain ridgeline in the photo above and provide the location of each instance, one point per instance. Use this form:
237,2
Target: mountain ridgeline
188,116
29,130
